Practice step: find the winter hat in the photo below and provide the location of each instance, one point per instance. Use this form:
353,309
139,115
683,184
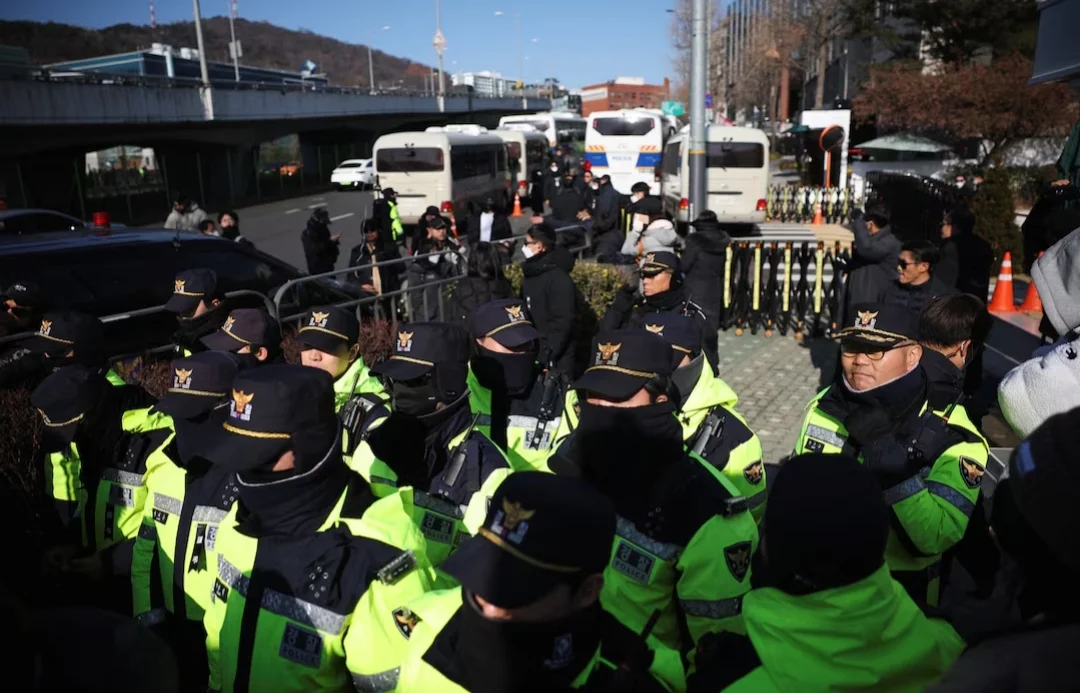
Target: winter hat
1043,386
1044,478
825,527
1057,277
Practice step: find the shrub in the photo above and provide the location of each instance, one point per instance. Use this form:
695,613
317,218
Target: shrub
596,283
995,215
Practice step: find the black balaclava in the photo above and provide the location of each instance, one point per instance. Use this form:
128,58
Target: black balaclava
191,434
526,657
191,330
826,526
512,374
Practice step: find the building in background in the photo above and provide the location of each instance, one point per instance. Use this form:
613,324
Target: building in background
570,101
485,83
624,92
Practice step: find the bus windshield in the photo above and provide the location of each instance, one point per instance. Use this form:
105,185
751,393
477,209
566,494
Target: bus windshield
735,155
409,160
623,127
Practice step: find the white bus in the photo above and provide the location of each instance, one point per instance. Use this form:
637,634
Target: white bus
526,152
737,178
565,129
626,145
445,169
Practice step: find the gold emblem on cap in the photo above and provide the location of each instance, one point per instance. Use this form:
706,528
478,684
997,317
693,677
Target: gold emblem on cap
228,323
178,287
404,341
514,313
650,258
183,377
319,319
241,400
608,350
515,514
867,319
655,329
46,326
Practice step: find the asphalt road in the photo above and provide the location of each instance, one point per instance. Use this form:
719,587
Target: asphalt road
275,227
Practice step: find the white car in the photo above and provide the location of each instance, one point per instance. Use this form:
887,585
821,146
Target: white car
353,173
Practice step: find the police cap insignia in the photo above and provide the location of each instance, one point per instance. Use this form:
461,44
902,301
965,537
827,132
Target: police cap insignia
242,400
178,287
515,514
404,341
318,319
183,376
608,350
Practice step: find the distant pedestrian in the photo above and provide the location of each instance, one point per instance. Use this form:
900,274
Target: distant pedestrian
966,259
490,224
207,227
229,223
186,214
320,247
874,258
443,261
551,297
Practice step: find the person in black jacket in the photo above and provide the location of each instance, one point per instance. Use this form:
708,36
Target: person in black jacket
536,191
873,261
489,225
550,295
965,259
662,291
444,261
320,247
703,262
916,283
552,182
229,223
375,281
483,283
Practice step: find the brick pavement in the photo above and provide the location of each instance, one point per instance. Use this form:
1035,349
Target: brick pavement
775,377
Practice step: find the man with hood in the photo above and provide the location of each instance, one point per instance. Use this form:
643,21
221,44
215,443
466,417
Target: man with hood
320,247
432,442
684,535
200,309
551,297
186,215
1056,279
824,613
929,464
703,262
1034,516
662,291
711,427
650,230
506,382
311,565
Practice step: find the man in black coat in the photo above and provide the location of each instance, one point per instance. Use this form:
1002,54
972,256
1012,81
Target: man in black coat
489,225
320,248
551,297
662,291
965,259
916,283
703,262
873,262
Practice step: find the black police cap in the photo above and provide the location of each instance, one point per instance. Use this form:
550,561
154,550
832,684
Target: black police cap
522,551
506,321
199,383
244,327
623,361
64,399
660,261
328,328
880,325
62,331
24,293
649,204
682,332
420,346
190,288
276,408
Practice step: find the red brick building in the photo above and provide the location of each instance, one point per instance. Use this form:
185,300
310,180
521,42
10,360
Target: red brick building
624,92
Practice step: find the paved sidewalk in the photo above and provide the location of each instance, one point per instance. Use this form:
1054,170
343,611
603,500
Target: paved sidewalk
775,378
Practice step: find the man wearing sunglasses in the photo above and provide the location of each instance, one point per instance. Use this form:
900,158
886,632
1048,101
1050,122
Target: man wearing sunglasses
928,463
916,284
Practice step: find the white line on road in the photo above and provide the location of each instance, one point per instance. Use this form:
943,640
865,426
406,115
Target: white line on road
317,204
342,216
291,211
317,199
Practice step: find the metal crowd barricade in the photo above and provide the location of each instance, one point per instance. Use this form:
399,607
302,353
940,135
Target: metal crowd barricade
782,287
798,204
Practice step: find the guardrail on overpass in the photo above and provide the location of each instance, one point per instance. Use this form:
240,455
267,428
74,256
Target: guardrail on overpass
109,99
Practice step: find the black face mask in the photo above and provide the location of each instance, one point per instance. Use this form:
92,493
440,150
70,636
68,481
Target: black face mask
230,232
513,657
624,451
191,434
414,398
509,373
247,361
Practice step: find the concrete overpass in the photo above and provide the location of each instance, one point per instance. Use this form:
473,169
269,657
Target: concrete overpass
206,139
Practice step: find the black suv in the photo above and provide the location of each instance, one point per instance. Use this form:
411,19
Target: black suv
133,269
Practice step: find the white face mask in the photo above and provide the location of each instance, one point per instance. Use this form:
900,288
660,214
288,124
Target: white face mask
528,252
594,186
636,197
554,169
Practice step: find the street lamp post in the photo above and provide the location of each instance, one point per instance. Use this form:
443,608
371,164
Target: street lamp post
202,50
370,64
521,57
235,47
439,42
698,79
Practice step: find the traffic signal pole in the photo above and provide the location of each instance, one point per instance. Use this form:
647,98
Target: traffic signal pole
698,80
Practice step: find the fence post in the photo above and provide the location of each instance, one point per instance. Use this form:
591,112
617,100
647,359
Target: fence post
198,169
78,186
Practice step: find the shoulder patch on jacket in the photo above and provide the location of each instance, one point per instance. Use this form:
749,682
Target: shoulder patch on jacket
405,621
737,557
971,471
754,473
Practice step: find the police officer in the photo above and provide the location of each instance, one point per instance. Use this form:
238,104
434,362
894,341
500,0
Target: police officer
198,307
711,427
330,341
505,382
64,338
310,565
661,292
929,464
396,229
823,596
249,333
432,442
174,559
96,450
527,616
681,559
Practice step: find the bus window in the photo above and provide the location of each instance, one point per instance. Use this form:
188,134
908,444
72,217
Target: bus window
671,159
735,155
474,161
409,160
623,127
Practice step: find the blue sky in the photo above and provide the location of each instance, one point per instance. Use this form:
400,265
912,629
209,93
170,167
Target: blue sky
580,42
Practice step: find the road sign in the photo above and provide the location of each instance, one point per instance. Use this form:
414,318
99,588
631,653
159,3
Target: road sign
708,100
439,42
672,108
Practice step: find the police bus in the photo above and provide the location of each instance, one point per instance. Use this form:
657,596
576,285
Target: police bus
737,178
626,145
445,169
561,129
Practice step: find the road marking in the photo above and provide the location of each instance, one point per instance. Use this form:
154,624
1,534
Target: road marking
317,204
291,211
317,199
342,216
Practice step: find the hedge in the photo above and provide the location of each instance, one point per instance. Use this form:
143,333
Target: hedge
596,283
993,205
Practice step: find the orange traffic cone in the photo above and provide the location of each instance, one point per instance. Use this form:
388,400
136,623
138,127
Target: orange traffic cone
517,206
818,218
1002,302
1032,303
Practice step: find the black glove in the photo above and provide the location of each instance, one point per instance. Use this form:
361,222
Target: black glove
625,298
868,424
